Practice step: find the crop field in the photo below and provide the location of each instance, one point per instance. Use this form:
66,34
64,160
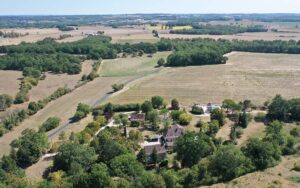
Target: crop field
122,34
9,82
253,76
243,36
131,65
54,81
63,107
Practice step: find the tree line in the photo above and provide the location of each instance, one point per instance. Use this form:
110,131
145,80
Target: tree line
218,30
209,51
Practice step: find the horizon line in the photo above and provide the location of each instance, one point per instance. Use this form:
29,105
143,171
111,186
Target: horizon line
237,13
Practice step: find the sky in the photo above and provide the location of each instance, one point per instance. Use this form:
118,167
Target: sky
74,7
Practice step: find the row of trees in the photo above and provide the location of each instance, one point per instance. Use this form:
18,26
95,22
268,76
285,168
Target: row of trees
12,34
15,118
57,63
218,30
210,51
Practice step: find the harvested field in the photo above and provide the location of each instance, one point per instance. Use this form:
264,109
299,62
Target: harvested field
121,34
253,76
54,81
63,107
34,35
131,65
9,82
243,36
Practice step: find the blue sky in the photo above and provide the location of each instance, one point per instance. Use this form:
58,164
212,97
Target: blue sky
51,7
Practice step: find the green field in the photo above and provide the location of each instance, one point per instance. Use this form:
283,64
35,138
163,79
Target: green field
131,65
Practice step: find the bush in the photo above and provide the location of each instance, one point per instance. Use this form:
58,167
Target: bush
81,112
295,132
185,119
5,102
197,110
117,87
161,62
49,124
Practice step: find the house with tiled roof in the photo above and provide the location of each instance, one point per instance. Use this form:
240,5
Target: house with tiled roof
172,134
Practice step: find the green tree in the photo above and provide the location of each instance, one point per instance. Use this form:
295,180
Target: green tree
154,156
30,147
263,154
278,109
243,120
185,119
117,87
219,115
147,107
49,124
142,157
191,147
107,148
126,166
175,104
170,178
5,102
161,62
108,110
197,110
99,177
213,127
150,180
229,162
154,119
230,104
157,102
74,154
122,121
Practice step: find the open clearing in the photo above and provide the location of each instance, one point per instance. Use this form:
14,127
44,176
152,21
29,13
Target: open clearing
54,81
9,82
131,65
253,76
63,107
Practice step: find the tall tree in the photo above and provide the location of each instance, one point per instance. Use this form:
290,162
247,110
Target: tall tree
219,115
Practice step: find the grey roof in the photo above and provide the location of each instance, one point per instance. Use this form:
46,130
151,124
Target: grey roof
174,131
159,148
137,117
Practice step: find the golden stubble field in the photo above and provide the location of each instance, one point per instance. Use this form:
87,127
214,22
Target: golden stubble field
9,82
54,81
253,76
122,34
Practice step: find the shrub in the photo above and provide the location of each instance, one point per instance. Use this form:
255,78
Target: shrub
49,124
161,62
295,132
185,119
117,87
197,110
5,102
